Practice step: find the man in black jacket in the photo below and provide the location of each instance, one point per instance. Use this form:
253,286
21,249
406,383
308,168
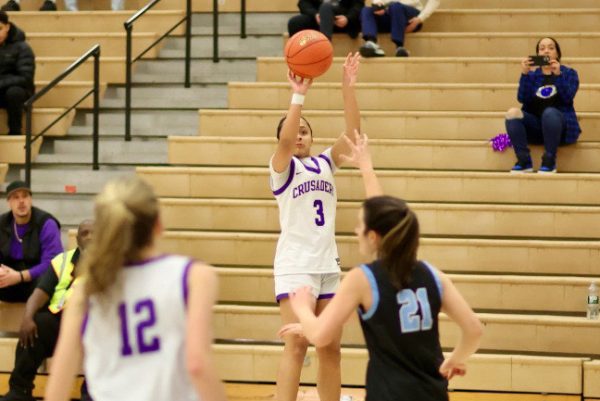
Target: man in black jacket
328,16
17,67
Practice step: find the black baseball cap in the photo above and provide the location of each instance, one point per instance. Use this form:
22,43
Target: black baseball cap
15,186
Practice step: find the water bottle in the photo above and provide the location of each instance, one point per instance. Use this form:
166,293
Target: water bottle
592,302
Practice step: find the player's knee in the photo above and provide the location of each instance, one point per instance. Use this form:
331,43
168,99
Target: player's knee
514,113
296,347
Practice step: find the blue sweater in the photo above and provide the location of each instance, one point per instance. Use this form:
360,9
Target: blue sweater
566,84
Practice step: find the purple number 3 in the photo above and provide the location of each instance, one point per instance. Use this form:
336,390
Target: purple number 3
150,320
320,220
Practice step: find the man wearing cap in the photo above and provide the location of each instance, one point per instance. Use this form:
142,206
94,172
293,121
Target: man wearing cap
29,239
41,321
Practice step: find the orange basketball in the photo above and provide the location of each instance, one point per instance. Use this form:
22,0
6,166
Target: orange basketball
308,53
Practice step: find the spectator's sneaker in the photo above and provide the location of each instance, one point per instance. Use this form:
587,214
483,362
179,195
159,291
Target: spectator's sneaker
402,52
371,49
48,6
11,5
522,166
548,165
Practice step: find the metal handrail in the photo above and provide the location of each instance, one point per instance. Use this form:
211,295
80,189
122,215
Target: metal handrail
243,35
130,60
28,107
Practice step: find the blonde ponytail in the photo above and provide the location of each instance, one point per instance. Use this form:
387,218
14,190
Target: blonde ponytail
125,215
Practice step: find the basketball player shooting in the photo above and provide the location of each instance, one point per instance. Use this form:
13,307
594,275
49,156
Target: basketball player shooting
306,252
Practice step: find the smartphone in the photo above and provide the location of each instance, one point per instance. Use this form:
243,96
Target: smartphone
540,60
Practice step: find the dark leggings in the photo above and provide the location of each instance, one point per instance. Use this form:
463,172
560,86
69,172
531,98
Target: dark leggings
548,130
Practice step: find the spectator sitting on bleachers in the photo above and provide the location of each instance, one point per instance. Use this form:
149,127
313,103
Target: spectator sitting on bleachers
50,5
547,116
29,239
328,16
395,16
17,66
41,321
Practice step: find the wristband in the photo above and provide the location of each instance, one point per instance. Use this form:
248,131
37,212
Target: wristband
297,98
22,278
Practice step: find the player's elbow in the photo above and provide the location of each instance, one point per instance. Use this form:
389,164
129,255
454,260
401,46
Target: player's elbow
474,328
197,366
322,339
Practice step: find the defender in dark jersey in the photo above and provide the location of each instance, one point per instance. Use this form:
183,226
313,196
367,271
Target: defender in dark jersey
399,299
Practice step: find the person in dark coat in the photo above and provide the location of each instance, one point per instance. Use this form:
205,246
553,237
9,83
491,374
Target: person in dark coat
17,68
328,16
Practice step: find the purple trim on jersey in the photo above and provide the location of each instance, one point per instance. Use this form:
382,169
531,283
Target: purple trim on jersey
279,297
186,273
327,160
313,169
85,322
288,181
325,296
141,263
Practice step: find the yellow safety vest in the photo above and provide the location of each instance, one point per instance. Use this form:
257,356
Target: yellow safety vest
64,271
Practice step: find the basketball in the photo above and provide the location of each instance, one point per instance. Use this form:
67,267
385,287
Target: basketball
308,53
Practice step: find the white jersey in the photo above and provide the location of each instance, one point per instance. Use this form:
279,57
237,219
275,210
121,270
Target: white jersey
307,199
134,342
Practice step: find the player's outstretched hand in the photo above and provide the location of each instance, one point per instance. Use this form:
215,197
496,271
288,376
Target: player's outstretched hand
291,329
351,69
359,156
449,369
299,85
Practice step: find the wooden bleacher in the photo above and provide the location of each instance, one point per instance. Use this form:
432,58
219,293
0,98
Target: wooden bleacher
524,260
526,257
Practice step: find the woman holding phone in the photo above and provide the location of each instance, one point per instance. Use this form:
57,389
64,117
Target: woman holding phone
547,116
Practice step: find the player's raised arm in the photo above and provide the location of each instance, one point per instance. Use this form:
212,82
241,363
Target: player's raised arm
351,111
360,157
291,125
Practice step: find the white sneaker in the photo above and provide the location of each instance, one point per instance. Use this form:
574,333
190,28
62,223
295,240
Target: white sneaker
346,398
371,49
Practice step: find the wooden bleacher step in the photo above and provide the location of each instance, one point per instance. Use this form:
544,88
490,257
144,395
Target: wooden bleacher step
537,334
396,96
510,372
505,19
508,293
67,93
112,69
515,373
377,124
538,257
387,153
429,69
75,44
3,171
96,21
12,149
424,186
41,118
437,219
474,44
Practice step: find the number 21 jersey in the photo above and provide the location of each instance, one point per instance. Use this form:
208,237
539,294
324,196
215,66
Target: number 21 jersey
307,198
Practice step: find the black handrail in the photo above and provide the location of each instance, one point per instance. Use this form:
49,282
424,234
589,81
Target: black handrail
216,27
28,106
129,61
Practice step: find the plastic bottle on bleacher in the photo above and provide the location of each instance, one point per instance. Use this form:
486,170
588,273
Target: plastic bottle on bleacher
592,302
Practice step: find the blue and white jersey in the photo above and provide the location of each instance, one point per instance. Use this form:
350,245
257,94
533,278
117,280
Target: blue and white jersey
307,200
134,340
